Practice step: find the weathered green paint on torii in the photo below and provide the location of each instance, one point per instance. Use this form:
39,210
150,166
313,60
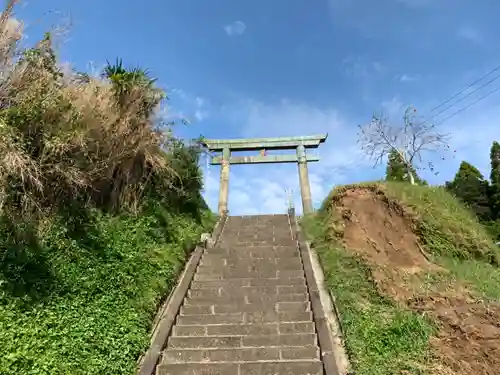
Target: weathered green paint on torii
253,144
258,144
217,160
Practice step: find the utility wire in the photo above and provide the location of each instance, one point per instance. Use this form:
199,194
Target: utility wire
466,88
469,105
466,96
495,69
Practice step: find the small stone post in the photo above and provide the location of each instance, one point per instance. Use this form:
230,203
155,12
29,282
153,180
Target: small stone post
305,188
224,181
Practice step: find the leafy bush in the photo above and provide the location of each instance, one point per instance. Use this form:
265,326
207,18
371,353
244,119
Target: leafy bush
80,299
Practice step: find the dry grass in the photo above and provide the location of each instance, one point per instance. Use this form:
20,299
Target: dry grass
64,139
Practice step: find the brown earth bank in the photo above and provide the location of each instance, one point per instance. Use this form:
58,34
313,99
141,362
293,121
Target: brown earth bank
382,233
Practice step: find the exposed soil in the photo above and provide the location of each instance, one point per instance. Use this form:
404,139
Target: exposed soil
468,342
469,335
385,239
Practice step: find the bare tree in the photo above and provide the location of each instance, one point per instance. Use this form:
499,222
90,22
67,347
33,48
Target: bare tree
411,140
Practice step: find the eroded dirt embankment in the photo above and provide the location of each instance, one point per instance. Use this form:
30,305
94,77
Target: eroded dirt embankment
468,339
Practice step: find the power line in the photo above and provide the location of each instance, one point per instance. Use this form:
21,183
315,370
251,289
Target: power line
468,106
466,88
466,96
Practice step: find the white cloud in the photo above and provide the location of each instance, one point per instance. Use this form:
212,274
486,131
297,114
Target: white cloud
281,118
201,113
393,108
179,92
187,106
470,33
200,102
407,78
235,29
472,136
361,67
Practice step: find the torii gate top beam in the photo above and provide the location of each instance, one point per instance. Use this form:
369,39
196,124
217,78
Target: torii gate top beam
251,144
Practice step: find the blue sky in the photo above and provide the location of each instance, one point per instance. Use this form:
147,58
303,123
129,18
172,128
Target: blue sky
295,67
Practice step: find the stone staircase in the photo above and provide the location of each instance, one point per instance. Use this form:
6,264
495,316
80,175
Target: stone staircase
247,311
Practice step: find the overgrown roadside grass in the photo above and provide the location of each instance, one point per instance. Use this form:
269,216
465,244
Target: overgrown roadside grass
383,337
83,302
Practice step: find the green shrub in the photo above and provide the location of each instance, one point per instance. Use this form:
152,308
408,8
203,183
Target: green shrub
80,300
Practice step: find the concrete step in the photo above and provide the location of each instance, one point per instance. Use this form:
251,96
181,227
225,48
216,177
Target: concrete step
262,245
254,252
269,271
244,307
240,341
256,238
313,367
220,291
246,318
251,265
264,274
248,244
234,261
241,299
250,258
239,354
259,232
244,329
235,283
259,237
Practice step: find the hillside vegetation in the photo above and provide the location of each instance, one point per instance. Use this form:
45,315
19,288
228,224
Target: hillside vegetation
99,206
415,277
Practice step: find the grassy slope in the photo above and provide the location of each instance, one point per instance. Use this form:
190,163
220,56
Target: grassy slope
381,337
74,306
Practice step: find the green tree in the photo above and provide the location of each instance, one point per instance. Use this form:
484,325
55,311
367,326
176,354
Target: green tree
396,170
470,186
495,180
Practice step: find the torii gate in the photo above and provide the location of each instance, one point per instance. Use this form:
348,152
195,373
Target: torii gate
226,146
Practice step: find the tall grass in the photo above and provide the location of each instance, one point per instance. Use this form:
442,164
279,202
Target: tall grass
65,139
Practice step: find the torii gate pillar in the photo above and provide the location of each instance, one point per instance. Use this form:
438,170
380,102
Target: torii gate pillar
305,187
224,181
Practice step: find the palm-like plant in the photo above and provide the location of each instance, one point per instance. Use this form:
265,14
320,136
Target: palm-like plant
133,84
